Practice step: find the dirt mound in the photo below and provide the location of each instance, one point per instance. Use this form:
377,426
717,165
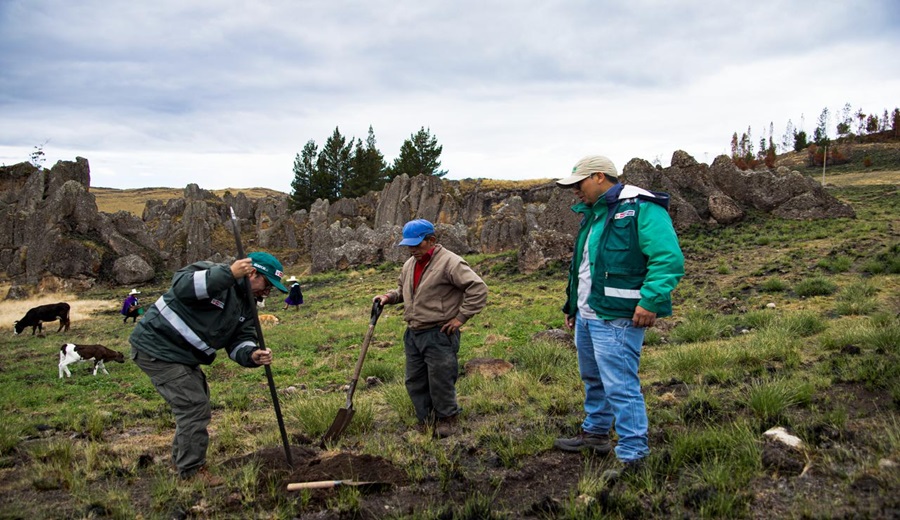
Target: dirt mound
310,465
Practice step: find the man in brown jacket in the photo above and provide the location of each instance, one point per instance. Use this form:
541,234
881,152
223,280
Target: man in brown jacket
440,293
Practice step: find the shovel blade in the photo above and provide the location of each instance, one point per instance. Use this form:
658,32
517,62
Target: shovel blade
340,424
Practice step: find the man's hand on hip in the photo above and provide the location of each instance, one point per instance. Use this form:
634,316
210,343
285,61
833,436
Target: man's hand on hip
642,317
451,326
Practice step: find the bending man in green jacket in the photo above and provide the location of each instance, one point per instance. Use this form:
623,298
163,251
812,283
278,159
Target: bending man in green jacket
626,263
204,311
440,292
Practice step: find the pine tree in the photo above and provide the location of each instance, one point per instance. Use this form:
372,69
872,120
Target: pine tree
332,167
420,154
787,140
895,122
860,122
367,171
820,135
844,126
302,193
800,141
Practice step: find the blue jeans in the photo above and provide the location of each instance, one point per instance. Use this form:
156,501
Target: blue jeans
609,353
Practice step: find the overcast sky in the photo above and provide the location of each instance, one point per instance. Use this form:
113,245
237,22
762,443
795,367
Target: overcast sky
226,93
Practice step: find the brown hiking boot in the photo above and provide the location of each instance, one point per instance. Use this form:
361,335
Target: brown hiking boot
204,476
445,427
595,442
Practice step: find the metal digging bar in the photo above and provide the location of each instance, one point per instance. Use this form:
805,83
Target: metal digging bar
262,343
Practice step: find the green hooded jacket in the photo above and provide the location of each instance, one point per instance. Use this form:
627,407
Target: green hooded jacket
635,256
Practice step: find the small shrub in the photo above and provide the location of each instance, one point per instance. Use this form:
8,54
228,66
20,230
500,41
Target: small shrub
723,267
700,406
652,337
815,286
857,299
691,362
546,362
397,399
700,326
316,415
736,442
770,399
9,437
836,264
886,262
873,266
774,285
768,348
385,371
802,324
759,319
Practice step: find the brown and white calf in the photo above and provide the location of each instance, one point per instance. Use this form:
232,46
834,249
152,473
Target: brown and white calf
71,353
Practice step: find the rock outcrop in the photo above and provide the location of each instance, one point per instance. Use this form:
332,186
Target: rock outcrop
52,234
55,236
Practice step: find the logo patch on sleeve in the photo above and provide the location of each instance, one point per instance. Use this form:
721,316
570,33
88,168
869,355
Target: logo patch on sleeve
629,213
218,303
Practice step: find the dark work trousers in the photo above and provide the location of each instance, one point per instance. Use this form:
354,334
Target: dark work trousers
185,390
431,372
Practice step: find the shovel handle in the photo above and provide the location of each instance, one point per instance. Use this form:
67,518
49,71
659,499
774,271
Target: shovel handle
377,307
324,484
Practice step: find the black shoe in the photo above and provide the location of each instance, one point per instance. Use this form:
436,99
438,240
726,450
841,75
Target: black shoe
630,467
595,442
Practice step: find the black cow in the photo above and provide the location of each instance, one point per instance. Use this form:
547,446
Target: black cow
51,312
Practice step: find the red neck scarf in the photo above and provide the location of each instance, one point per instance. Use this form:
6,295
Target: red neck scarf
420,268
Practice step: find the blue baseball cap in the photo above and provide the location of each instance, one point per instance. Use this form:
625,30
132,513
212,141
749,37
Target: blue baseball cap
415,231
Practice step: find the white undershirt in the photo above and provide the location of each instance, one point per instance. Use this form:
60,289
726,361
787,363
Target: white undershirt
584,280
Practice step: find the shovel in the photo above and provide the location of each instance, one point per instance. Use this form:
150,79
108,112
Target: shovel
329,484
345,414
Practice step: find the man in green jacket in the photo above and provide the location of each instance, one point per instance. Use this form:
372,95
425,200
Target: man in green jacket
204,311
626,263
440,292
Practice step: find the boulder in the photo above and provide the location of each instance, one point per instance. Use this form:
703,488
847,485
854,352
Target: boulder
132,270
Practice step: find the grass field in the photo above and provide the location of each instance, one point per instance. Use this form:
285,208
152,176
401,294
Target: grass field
777,323
111,200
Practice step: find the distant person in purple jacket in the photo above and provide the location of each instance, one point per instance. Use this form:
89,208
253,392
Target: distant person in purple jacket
130,307
295,296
